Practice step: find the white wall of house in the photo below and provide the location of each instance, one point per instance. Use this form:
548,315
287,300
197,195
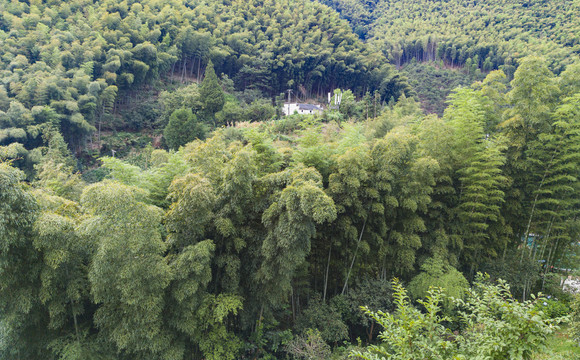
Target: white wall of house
289,109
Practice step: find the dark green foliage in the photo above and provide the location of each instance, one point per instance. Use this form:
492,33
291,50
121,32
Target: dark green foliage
515,269
182,128
103,73
128,274
211,93
228,246
554,309
323,318
433,83
575,328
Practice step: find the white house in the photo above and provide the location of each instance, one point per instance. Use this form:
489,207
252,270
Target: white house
289,109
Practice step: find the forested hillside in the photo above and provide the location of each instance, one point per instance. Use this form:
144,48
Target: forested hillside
475,36
70,65
156,204
488,33
263,240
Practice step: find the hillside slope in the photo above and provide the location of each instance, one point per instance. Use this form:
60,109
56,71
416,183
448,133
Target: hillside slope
68,63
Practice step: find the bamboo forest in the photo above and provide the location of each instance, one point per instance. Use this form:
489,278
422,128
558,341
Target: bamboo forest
289,179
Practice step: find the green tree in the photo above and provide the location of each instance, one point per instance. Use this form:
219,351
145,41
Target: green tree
437,273
182,128
495,326
479,164
575,323
22,320
128,275
291,224
211,93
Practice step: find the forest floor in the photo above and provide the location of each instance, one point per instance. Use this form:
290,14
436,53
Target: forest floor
559,347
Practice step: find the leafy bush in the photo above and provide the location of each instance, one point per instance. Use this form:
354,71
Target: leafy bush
437,273
375,294
309,346
500,327
410,334
554,308
325,319
288,124
497,327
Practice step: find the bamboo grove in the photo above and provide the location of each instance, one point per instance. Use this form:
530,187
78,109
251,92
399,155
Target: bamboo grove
228,246
73,64
482,34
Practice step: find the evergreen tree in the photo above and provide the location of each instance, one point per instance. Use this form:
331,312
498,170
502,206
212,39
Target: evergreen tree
211,93
182,128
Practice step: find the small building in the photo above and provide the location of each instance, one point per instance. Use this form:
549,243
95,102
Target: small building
306,109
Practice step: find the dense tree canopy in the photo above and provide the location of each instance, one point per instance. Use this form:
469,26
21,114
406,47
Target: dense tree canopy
155,204
75,66
223,248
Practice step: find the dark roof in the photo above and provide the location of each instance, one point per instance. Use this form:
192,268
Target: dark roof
309,107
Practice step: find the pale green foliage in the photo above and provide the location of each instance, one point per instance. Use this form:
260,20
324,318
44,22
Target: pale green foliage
192,269
12,151
122,172
495,326
19,265
64,284
128,275
492,95
167,167
348,105
404,182
155,180
533,96
478,162
313,150
55,171
290,222
407,111
436,272
500,327
569,80
310,346
183,97
214,340
554,159
191,211
408,333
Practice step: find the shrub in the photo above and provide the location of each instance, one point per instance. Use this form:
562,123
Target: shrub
497,326
183,127
554,308
309,346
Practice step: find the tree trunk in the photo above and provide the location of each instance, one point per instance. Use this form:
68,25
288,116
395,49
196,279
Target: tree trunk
326,275
183,67
354,257
198,68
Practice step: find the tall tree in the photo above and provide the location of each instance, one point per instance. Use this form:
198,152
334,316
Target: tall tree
211,93
22,320
128,274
